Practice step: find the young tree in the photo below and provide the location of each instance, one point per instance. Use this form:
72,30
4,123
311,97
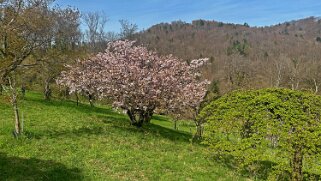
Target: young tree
188,106
63,47
136,80
280,126
24,27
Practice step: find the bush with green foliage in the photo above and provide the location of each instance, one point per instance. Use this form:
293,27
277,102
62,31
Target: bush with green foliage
241,48
272,133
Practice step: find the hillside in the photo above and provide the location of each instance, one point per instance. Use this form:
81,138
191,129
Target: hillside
286,55
66,142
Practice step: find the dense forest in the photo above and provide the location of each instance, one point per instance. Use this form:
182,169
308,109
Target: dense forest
284,55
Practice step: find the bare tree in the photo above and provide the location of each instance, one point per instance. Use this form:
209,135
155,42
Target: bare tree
278,70
313,75
127,29
238,72
95,34
111,36
295,67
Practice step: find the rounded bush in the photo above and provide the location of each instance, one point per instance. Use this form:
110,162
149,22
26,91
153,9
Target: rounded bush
274,133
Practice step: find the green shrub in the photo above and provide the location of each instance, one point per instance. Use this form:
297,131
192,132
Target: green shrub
272,133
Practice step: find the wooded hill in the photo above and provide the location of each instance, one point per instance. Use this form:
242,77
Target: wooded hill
283,55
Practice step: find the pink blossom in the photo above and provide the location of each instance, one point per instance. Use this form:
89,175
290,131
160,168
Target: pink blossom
134,78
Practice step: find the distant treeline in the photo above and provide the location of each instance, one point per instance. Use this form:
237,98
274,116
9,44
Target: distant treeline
285,55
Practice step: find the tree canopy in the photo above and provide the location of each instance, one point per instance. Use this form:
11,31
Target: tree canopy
137,80
277,125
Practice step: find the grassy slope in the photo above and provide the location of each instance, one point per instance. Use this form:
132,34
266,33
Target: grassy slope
66,142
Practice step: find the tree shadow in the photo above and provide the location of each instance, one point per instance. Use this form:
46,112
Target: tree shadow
168,133
79,132
259,170
227,161
71,105
15,168
114,119
160,118
122,122
156,130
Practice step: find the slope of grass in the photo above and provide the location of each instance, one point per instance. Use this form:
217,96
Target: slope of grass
63,141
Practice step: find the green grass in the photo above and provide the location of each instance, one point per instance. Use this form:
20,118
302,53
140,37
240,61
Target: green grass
63,141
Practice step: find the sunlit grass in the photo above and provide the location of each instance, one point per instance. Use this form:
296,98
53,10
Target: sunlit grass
63,141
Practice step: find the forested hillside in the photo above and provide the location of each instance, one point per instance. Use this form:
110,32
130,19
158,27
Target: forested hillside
283,55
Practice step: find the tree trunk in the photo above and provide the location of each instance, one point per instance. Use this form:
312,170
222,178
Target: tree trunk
77,98
17,123
66,93
47,91
199,131
18,129
148,114
23,91
91,100
175,124
1,89
139,117
297,164
136,117
316,87
246,129
278,79
131,116
199,124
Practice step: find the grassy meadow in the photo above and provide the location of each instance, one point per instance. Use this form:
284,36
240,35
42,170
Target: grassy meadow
63,141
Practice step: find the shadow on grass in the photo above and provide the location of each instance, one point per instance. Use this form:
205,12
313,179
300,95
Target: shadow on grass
122,124
72,105
169,133
259,170
15,168
114,119
153,129
79,132
160,118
